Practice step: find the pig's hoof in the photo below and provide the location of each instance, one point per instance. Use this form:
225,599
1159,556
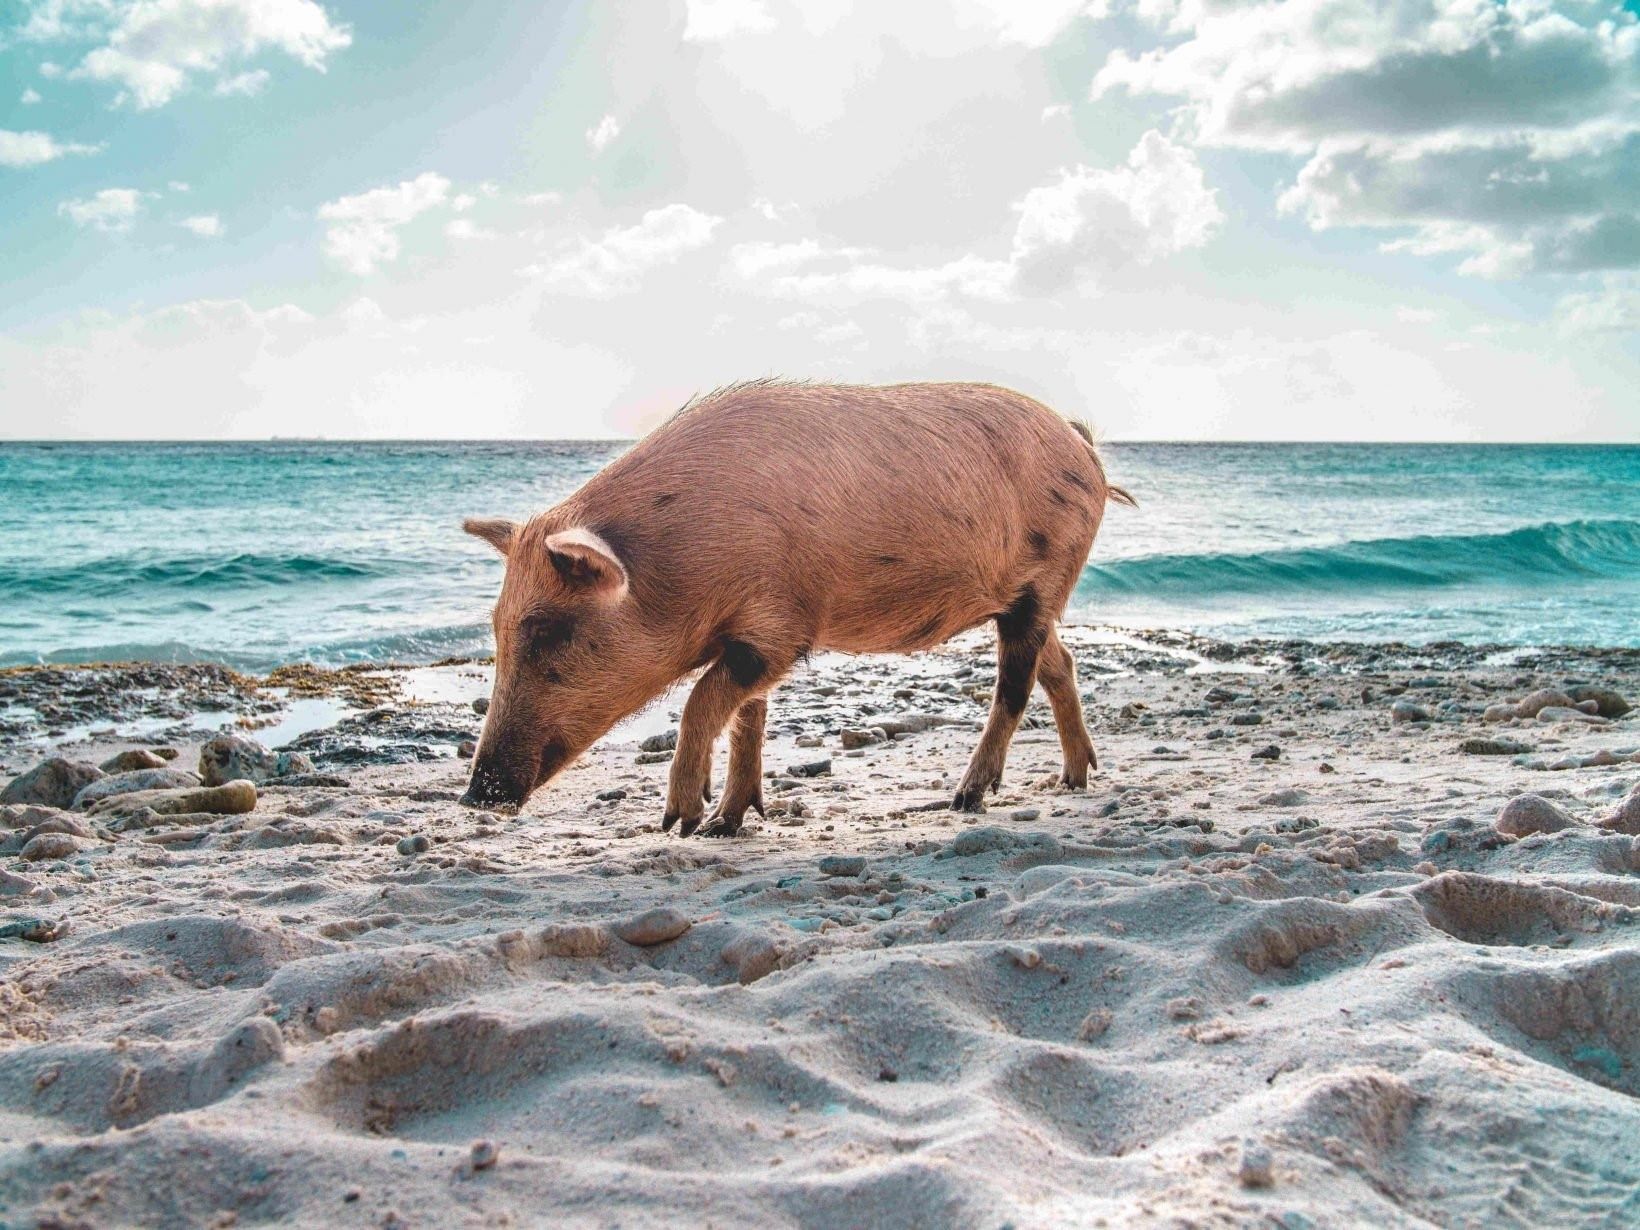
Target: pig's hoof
723,826
689,825
668,820
972,800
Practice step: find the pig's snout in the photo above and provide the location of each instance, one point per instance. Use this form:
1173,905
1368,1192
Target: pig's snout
504,782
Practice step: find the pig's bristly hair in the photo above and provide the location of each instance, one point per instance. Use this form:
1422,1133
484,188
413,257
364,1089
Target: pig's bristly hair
1118,494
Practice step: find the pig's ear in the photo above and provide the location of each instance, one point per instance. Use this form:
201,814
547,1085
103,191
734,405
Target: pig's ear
587,564
493,530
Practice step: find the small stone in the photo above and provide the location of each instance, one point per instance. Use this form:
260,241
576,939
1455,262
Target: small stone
853,737
1283,798
466,749
1257,1167
1408,711
842,865
135,758
1626,819
652,757
810,741
51,783
49,845
813,768
1608,704
481,705
887,1075
1269,752
1024,815
612,796
1526,814
1494,747
485,1153
666,741
1565,713
414,844
656,926
132,782
1094,1025
1184,1008
234,798
1251,717
1544,698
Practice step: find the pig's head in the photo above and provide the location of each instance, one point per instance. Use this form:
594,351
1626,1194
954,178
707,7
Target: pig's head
568,657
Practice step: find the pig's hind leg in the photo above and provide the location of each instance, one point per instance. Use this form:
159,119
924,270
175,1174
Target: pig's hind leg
740,674
744,787
1056,670
1022,630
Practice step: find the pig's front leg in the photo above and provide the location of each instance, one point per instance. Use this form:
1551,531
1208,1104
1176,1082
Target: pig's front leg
744,787
741,674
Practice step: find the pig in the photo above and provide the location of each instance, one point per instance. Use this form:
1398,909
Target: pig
770,520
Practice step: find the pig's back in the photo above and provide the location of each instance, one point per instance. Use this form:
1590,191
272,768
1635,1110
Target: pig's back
894,515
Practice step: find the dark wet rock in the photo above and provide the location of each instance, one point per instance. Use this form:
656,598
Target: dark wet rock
52,783
652,757
1408,711
467,749
130,783
232,758
481,705
613,795
1526,814
388,736
133,758
413,845
666,741
1268,752
812,768
1251,717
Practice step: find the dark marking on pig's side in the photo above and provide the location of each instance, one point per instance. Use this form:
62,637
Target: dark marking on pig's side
1077,480
1058,497
926,632
1039,544
888,561
665,498
744,663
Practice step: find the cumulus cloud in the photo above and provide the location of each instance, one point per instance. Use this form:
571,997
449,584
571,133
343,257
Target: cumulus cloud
1071,235
363,230
112,210
1506,133
1614,308
614,262
601,134
1029,23
30,97
152,49
30,149
206,226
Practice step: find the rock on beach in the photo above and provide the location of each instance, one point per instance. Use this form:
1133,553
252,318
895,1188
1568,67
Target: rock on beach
1526,814
131,783
52,783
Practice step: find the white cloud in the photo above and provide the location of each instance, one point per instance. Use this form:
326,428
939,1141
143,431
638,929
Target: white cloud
244,84
1615,308
30,97
206,226
1094,222
1029,23
177,185
364,229
1505,133
614,263
112,210
466,228
152,48
30,149
604,132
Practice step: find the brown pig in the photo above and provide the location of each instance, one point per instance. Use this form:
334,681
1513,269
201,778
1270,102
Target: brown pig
764,522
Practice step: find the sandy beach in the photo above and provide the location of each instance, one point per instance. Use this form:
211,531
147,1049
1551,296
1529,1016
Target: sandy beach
1298,958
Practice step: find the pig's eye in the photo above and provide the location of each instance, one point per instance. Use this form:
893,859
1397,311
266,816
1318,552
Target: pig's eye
546,634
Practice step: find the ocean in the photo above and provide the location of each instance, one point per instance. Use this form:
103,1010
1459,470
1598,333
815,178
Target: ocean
260,554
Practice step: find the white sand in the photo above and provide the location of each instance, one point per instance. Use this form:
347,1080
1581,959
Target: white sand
1322,1012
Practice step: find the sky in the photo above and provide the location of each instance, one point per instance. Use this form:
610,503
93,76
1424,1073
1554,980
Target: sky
1178,219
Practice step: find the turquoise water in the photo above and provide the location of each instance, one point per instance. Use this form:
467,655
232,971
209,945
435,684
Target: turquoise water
258,554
